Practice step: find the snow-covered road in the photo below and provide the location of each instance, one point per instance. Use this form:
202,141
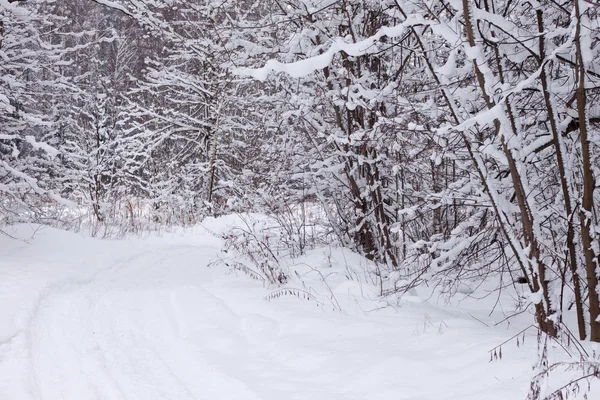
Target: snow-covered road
146,319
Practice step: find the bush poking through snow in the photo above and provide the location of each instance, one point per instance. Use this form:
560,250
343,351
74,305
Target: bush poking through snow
249,246
574,375
565,379
299,293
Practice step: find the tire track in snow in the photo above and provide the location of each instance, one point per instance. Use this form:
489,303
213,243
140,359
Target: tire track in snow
56,300
112,336
23,341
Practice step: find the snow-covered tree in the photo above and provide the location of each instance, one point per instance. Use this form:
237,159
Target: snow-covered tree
27,110
488,119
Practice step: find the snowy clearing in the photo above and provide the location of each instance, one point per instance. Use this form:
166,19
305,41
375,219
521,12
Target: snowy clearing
84,318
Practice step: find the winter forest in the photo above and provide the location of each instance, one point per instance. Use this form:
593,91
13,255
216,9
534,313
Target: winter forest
452,145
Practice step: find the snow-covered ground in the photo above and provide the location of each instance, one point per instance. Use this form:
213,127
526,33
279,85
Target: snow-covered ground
84,318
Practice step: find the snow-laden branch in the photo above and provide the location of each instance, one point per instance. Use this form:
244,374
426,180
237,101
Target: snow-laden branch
116,6
306,67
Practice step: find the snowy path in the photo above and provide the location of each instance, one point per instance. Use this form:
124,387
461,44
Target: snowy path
149,321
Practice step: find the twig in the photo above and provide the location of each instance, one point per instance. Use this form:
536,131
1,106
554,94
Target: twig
514,315
8,235
477,319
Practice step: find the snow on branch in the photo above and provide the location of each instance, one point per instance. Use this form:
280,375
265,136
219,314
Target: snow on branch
112,4
306,67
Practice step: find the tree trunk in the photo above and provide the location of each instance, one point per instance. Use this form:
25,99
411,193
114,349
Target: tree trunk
587,205
571,249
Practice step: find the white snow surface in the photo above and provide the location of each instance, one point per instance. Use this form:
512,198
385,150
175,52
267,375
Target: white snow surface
144,319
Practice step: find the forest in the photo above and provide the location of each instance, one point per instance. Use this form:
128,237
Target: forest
449,142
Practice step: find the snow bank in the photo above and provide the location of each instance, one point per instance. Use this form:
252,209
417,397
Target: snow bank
83,318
